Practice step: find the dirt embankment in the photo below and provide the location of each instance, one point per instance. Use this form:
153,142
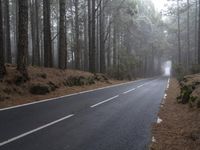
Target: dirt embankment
46,83
180,126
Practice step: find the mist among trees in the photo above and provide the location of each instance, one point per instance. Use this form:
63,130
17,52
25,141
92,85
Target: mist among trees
123,38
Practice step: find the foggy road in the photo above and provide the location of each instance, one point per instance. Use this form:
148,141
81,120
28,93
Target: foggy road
113,118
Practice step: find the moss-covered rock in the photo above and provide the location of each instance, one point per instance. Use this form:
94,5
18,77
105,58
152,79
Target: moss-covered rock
190,91
19,79
100,77
185,94
40,89
52,86
91,80
79,81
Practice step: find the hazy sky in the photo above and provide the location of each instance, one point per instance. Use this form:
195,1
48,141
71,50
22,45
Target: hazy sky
159,4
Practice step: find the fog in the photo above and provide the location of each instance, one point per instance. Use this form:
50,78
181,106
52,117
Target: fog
166,68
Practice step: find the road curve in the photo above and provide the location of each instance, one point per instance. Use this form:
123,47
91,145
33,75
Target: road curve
114,118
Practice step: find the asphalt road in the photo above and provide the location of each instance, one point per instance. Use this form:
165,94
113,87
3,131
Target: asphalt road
114,118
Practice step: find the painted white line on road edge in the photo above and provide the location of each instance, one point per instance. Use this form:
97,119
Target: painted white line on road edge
165,96
159,120
168,82
163,101
153,139
51,99
104,101
35,130
129,91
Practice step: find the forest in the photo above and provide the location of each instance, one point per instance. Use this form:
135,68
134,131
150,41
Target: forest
99,74
123,38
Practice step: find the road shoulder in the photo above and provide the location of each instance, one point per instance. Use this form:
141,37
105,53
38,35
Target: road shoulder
179,128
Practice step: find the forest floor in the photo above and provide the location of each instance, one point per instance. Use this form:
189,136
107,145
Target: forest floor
180,125
45,83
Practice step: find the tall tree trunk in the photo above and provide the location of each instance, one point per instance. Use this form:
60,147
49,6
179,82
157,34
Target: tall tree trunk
91,33
188,34
114,45
37,45
2,67
179,40
22,59
7,22
199,38
196,31
86,61
48,60
35,33
97,40
109,48
77,40
32,16
102,41
93,37
72,34
62,36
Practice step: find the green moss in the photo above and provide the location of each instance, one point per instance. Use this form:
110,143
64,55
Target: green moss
193,101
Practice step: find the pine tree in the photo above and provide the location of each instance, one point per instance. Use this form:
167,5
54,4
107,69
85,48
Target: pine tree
62,36
48,60
2,66
22,45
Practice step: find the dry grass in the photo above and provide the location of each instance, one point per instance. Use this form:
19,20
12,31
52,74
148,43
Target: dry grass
12,94
180,129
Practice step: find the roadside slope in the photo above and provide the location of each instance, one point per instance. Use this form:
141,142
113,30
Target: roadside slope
180,126
47,83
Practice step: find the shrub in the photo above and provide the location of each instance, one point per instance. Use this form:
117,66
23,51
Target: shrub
39,89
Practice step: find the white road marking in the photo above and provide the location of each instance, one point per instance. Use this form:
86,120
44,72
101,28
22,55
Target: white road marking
104,101
51,99
167,86
165,96
145,83
35,130
129,91
153,139
168,82
140,86
159,120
